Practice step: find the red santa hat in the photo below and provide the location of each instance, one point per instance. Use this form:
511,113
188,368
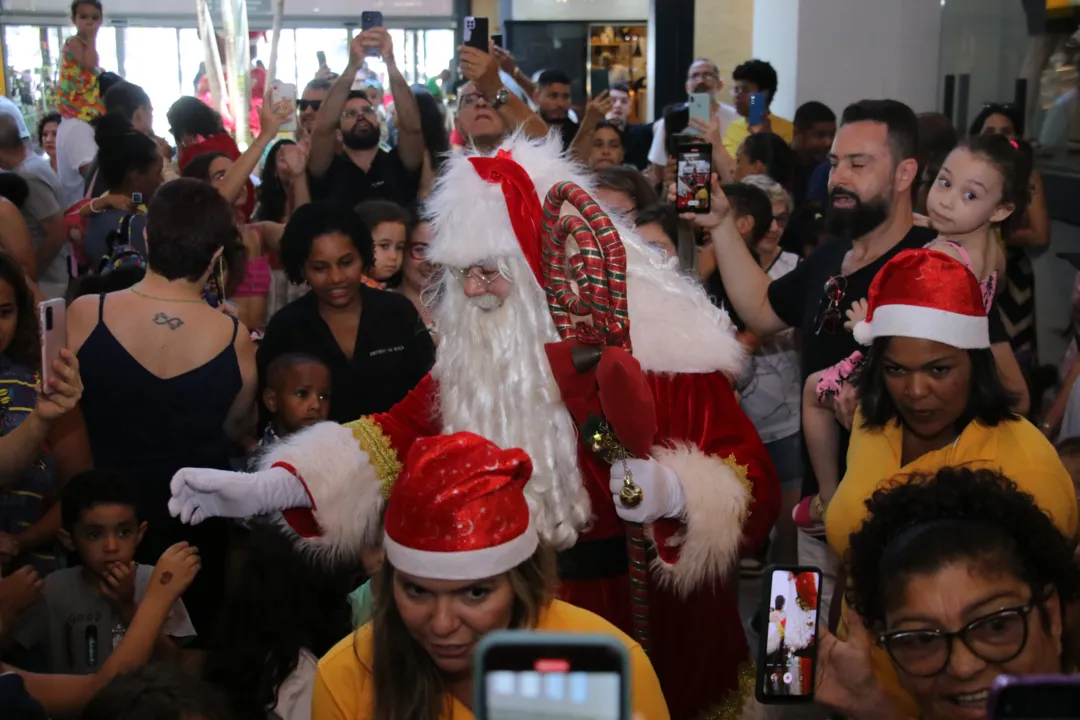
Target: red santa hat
925,294
458,511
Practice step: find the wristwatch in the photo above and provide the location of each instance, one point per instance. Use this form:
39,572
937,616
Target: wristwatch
502,96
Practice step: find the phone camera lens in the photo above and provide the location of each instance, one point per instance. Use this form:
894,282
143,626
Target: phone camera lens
48,318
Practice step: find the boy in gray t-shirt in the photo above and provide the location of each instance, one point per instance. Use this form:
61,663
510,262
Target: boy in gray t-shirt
84,612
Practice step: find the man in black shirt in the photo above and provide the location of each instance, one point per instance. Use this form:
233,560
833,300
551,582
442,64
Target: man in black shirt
363,171
636,137
552,98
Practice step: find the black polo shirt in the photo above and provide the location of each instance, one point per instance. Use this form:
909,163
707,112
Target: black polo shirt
393,351
387,179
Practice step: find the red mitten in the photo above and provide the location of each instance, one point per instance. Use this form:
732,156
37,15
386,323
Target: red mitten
627,401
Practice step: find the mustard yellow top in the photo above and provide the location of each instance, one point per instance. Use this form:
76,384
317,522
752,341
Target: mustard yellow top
343,684
1015,448
738,131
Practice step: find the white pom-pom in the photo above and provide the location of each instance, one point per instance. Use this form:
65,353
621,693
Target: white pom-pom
862,332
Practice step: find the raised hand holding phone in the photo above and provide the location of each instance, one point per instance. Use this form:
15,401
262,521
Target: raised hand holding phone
369,20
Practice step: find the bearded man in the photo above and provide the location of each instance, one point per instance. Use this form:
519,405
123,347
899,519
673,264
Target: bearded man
363,170
710,491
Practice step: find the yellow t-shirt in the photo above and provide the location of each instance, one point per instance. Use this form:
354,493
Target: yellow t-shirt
738,131
343,684
1015,448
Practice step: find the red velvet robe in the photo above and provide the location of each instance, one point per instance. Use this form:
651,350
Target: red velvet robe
698,642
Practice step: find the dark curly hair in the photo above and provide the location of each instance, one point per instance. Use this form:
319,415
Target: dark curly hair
53,117
283,604
25,346
774,153
928,521
272,196
162,692
315,220
191,116
1008,110
989,402
187,223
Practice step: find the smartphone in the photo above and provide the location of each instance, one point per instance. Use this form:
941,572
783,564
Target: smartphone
321,57
284,91
758,109
522,674
599,81
476,33
371,19
693,176
700,106
136,199
52,326
787,655
1035,697
497,38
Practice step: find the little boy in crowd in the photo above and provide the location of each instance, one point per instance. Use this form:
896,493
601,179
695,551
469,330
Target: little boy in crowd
297,395
83,612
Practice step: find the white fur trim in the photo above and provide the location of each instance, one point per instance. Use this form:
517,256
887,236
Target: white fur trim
864,335
342,482
674,326
716,506
465,565
960,331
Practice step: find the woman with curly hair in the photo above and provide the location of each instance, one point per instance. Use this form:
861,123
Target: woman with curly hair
956,578
930,397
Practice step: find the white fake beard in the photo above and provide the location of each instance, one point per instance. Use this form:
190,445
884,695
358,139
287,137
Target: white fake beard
495,381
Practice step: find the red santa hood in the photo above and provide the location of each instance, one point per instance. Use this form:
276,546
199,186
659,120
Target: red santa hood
673,325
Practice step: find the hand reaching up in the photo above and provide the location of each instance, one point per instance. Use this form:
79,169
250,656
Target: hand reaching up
845,675
64,390
175,570
719,207
599,106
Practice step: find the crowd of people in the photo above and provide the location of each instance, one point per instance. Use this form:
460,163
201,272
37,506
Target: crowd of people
334,404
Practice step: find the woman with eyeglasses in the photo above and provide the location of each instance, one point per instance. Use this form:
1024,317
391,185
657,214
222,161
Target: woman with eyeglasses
930,397
956,578
373,341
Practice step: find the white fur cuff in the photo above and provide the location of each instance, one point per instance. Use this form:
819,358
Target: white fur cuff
343,484
717,499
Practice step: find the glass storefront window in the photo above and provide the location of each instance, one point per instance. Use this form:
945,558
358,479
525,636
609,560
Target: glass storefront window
191,58
160,80
335,43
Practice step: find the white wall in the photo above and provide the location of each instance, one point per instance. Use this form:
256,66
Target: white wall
776,40
293,8
582,9
841,51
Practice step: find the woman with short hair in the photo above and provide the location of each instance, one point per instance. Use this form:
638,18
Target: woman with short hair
959,577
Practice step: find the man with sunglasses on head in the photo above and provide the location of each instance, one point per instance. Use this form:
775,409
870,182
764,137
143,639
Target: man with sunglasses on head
487,111
362,171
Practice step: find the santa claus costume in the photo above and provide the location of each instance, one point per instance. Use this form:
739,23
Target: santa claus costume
710,491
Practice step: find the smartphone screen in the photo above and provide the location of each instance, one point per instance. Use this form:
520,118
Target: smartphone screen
1038,697
787,657
476,33
599,81
321,57
540,675
497,38
284,91
758,109
371,19
700,107
693,177
52,324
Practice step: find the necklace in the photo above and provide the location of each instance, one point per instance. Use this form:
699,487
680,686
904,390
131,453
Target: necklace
135,289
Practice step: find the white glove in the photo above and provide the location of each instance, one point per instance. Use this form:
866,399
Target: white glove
199,493
663,494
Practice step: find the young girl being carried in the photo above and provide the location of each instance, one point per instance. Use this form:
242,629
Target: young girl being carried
78,93
982,183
